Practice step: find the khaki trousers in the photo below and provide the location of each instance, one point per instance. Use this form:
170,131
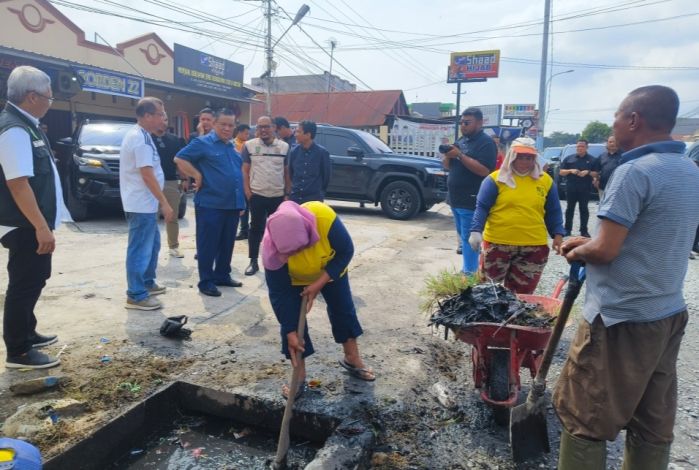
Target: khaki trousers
173,192
620,377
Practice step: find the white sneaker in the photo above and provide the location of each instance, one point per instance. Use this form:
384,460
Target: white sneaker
176,253
149,303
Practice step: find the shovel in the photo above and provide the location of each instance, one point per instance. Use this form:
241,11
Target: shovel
283,445
528,432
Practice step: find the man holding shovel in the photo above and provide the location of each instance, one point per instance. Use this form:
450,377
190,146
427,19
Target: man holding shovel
621,368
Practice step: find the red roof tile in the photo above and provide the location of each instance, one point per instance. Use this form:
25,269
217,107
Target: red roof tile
347,109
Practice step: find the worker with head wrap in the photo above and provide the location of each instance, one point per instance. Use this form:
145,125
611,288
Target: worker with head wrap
516,206
305,251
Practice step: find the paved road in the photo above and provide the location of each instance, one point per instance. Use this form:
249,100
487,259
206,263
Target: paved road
236,342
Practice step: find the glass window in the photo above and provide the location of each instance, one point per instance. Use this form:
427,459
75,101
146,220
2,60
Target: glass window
338,144
104,134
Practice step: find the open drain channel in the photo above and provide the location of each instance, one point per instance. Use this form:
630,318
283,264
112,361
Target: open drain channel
185,426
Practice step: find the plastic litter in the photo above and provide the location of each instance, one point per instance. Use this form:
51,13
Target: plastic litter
173,327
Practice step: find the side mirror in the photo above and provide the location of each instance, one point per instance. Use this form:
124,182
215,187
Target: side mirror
65,142
355,152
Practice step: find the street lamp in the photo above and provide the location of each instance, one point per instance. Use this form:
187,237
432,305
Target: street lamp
270,47
542,120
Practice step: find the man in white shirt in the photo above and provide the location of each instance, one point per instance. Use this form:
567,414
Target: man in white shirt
31,207
141,181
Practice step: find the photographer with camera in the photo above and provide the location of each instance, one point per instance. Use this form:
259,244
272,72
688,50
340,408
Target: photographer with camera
469,161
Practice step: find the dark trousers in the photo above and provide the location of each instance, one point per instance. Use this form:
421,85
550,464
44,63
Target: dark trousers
260,208
215,239
27,273
581,197
245,222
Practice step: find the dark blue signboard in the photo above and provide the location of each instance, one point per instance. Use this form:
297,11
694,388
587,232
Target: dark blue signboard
207,73
109,83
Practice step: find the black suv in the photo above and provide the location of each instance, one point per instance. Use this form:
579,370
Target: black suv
364,169
89,167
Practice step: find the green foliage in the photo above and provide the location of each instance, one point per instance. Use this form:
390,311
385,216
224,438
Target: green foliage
596,132
559,139
442,285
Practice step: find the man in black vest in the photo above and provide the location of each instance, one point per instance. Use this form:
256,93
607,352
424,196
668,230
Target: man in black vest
31,207
579,170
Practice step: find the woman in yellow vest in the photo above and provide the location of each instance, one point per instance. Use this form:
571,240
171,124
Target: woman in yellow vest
516,206
306,250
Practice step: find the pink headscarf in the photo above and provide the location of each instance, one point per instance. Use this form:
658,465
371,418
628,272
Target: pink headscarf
290,229
523,145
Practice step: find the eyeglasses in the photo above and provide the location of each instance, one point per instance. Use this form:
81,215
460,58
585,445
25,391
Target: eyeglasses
49,98
466,122
263,126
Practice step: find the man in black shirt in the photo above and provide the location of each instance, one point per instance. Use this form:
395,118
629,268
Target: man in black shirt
606,164
284,131
579,169
168,145
309,166
471,159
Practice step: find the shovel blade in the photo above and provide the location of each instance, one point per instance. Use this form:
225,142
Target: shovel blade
529,436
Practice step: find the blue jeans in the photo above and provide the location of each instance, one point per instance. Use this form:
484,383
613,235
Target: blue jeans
141,253
216,230
463,219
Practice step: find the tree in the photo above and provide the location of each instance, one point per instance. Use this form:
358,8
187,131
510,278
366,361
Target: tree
596,131
559,139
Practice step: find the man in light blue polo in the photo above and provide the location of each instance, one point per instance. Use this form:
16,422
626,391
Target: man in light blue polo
621,368
216,168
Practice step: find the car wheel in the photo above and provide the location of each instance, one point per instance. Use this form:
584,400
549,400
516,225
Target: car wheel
400,200
182,209
79,210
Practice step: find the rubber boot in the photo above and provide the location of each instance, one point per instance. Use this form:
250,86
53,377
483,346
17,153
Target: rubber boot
581,454
640,455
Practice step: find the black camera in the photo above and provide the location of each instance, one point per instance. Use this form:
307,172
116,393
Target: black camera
444,148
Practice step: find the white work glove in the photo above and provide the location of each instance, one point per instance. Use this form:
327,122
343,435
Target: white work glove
475,241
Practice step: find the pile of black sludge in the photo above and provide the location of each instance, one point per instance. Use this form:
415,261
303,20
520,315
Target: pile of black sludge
491,303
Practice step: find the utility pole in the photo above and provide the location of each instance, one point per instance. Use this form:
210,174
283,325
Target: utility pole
333,44
542,78
268,50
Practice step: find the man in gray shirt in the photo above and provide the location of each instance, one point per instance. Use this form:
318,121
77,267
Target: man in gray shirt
621,368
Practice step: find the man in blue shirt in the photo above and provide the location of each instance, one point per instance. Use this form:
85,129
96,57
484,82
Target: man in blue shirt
309,166
216,168
621,368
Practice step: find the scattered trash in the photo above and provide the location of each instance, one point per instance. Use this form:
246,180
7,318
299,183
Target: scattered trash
442,394
243,433
196,453
314,383
88,296
105,359
61,351
104,340
31,386
173,327
137,452
492,303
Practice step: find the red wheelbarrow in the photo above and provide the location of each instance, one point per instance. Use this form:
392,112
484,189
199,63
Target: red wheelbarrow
498,352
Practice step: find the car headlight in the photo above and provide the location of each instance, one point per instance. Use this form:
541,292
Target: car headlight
436,171
90,162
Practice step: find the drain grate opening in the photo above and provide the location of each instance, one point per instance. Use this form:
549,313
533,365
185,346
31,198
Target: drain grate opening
186,426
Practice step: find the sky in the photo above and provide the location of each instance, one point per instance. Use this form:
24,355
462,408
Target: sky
611,46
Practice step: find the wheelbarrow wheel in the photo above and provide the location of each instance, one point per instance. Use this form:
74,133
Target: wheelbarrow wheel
499,383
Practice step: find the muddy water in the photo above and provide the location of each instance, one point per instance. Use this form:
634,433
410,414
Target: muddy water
204,442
